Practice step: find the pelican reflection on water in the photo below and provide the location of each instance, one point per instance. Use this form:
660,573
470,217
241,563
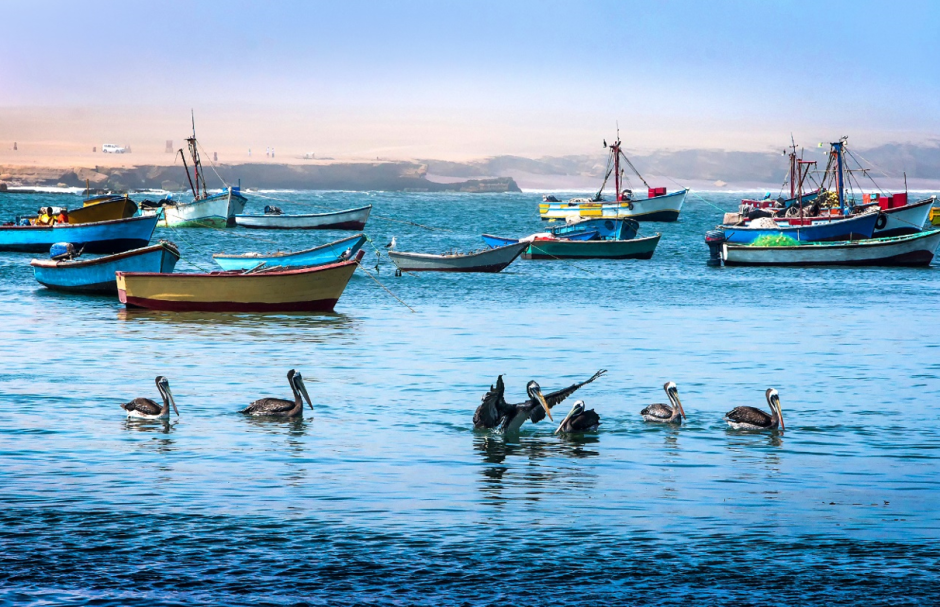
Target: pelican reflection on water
495,413
144,408
280,408
666,414
751,418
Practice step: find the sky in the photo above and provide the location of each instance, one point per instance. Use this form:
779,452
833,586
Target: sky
458,80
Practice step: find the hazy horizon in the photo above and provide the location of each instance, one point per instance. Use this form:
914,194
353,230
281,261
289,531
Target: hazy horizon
465,80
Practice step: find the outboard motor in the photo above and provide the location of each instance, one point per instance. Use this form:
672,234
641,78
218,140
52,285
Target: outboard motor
63,251
714,239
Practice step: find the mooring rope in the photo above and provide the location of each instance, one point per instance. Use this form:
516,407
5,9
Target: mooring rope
387,290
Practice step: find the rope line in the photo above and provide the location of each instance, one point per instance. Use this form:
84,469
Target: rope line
387,290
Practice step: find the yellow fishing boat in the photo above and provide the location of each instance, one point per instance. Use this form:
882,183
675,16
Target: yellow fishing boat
935,216
104,208
315,289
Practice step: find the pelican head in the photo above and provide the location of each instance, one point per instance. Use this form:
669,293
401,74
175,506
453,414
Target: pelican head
672,392
535,392
163,386
297,383
773,399
576,409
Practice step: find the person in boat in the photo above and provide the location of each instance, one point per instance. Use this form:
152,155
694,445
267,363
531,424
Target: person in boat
45,217
63,217
627,195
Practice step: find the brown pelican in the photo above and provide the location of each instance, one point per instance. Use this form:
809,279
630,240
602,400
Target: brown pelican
144,408
278,407
666,414
749,418
579,420
495,412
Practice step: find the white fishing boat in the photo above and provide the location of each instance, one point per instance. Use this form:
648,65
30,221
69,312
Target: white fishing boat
205,210
215,211
657,206
348,219
488,260
911,250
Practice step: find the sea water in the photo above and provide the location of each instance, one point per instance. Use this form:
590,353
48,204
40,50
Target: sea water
384,493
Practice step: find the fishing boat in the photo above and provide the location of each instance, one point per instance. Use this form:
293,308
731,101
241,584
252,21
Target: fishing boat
317,256
604,229
556,248
349,219
105,209
804,230
910,250
657,206
488,261
205,210
115,236
314,289
96,275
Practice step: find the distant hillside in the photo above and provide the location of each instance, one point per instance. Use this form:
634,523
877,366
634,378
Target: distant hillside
919,161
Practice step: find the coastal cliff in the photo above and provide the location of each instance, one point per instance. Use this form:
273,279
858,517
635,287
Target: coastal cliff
383,176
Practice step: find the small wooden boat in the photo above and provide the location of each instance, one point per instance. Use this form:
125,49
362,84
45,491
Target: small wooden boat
806,230
488,260
635,248
97,275
910,250
314,289
606,229
115,236
105,209
210,211
317,256
349,219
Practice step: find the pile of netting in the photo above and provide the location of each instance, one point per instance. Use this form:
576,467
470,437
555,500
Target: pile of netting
774,240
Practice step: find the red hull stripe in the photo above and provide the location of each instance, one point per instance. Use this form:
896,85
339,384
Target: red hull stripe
321,305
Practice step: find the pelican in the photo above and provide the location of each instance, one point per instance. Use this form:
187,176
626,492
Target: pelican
666,414
144,408
750,418
579,420
279,407
495,412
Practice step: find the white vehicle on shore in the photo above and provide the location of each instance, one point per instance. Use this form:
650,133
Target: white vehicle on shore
112,148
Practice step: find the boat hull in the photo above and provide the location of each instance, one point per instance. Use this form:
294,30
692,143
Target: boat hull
636,248
318,256
301,290
658,208
106,210
852,228
910,250
114,236
97,275
489,261
217,211
350,219
908,219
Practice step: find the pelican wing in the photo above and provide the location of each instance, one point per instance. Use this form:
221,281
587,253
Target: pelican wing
143,405
556,397
658,410
748,415
269,406
493,408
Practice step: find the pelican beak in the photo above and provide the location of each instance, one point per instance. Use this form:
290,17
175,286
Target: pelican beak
169,394
548,411
776,401
567,417
675,394
303,391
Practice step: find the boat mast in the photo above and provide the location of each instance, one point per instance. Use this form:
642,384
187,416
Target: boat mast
197,165
838,149
615,150
792,166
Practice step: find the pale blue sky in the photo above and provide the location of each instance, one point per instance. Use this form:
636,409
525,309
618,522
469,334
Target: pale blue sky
511,76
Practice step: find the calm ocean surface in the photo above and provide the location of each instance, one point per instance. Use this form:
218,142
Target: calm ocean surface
385,494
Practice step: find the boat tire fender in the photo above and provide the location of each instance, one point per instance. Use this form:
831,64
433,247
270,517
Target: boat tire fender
881,222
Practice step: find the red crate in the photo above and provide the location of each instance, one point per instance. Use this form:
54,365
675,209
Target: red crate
654,192
899,200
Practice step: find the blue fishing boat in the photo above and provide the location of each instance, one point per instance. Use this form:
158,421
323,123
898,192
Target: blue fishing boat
606,229
804,230
115,236
333,252
96,275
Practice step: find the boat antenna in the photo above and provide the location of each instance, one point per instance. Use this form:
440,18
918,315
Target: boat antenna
905,182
